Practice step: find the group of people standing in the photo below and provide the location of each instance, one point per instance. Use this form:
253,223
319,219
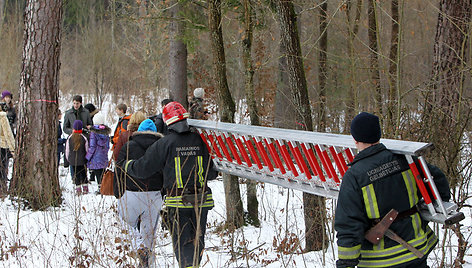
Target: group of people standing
158,160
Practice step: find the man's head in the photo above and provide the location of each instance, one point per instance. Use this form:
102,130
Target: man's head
199,93
77,101
164,102
121,109
365,128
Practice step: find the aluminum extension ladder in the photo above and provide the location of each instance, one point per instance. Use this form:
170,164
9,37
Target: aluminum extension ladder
311,162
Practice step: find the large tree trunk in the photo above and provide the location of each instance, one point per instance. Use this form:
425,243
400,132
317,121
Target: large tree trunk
374,58
322,67
177,57
352,102
314,207
393,101
234,206
2,14
444,105
35,175
252,202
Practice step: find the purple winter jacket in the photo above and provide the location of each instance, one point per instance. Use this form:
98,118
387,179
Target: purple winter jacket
99,144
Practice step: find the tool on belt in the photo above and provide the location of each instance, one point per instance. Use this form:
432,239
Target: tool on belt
381,229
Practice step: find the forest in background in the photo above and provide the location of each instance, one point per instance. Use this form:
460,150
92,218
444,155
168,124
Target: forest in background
406,61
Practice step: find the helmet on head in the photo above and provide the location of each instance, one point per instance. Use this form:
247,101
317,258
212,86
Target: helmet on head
174,112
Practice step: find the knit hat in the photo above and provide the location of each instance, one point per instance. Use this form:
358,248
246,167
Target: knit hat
199,93
78,125
91,108
365,127
147,125
6,93
99,119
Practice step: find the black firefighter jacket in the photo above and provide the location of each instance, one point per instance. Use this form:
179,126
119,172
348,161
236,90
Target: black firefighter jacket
138,143
377,182
185,162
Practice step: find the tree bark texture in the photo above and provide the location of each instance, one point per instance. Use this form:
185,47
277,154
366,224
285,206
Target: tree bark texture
392,101
352,102
177,57
35,175
252,202
314,206
444,104
322,66
234,206
374,57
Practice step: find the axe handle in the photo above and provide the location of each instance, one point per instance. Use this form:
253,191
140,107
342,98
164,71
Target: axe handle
390,234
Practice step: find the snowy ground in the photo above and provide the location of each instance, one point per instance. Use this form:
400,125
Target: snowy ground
86,230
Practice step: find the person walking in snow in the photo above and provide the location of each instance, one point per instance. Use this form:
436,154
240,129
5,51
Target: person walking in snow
7,144
187,166
131,127
139,201
99,144
197,108
158,121
378,181
76,150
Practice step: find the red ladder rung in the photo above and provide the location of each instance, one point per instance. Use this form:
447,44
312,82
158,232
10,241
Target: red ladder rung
323,161
343,162
333,152
313,162
252,152
349,155
243,152
202,135
229,141
330,166
215,146
298,158
263,152
275,156
223,147
287,158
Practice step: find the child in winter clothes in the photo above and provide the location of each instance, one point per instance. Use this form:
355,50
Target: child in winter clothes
76,150
97,155
140,201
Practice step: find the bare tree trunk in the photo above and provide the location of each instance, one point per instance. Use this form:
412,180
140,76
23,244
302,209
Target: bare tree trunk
2,14
177,58
252,202
35,175
314,207
353,101
322,67
392,101
374,58
234,206
444,102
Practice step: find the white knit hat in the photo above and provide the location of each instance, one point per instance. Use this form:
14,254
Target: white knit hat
199,93
99,119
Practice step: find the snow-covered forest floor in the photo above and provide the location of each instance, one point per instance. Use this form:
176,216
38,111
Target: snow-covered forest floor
86,232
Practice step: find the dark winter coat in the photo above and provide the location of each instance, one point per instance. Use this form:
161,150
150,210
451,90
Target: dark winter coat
134,149
184,160
71,115
197,110
99,144
76,158
160,125
11,116
60,140
377,182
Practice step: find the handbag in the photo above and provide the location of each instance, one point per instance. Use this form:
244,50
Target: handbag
106,187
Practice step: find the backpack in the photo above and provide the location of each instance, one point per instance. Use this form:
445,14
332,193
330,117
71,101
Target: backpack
121,127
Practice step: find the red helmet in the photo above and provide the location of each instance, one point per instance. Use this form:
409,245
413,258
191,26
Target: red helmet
174,112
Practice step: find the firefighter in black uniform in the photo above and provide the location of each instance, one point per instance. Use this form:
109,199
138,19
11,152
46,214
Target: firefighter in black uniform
186,164
377,182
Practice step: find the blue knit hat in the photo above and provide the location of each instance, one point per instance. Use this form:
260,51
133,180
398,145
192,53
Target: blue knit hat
365,127
78,125
147,125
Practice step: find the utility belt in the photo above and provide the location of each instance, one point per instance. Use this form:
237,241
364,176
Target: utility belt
402,215
188,198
